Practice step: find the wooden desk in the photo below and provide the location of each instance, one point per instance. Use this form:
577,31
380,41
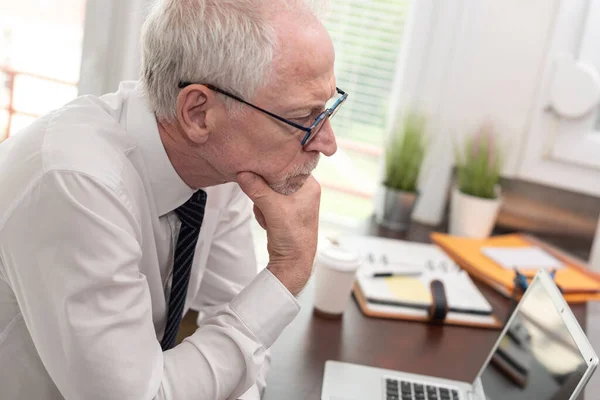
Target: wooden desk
446,351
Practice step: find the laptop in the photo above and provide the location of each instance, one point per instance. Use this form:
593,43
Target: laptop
542,353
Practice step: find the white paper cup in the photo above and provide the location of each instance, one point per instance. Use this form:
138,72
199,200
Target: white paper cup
335,271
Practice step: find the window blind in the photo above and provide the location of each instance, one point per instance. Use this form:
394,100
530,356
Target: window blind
367,36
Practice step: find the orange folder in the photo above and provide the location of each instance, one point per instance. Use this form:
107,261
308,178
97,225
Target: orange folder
577,283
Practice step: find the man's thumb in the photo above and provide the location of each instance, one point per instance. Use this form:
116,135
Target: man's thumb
253,185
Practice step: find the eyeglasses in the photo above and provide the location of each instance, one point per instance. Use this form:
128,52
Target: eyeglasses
331,108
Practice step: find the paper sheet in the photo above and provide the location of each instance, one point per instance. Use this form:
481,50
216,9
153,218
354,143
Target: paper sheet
522,257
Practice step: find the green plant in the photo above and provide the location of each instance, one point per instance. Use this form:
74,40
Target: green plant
405,153
479,164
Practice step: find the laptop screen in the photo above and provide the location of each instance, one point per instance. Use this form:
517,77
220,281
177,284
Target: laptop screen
537,358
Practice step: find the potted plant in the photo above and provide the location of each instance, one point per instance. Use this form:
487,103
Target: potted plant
403,159
476,199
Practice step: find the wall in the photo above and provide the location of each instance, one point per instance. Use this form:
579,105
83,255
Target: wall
483,61
501,67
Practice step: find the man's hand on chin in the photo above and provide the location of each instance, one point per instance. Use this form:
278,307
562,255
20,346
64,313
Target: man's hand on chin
291,223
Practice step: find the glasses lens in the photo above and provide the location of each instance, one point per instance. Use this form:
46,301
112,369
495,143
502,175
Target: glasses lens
336,107
315,130
331,102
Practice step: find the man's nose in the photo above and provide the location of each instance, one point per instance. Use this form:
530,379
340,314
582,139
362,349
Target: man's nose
324,141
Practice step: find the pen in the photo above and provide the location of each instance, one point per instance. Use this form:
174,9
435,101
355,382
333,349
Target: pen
391,274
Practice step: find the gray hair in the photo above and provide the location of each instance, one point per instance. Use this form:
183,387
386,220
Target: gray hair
226,43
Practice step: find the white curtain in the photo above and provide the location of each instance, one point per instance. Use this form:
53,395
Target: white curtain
111,44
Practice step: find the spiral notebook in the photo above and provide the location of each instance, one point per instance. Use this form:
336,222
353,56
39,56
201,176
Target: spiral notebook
406,294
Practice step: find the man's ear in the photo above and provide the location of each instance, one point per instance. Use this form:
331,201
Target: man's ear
194,103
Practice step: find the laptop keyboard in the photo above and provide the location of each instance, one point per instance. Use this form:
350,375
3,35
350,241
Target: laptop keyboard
406,390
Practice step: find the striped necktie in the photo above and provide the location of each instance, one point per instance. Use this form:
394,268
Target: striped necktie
190,214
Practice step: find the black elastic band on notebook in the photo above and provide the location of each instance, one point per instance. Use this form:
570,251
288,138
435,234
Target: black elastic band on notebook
439,305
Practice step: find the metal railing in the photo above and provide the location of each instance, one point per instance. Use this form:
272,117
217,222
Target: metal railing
346,144
10,76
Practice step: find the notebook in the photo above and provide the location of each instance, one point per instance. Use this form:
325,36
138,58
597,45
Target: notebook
406,294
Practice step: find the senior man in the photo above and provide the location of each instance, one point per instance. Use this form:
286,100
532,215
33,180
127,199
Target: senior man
119,212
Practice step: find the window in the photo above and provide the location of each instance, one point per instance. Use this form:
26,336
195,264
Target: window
367,36
578,140
564,142
40,53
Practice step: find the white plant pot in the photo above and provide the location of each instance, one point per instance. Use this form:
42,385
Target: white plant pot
472,216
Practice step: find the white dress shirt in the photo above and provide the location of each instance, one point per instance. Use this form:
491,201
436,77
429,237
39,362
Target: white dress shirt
87,235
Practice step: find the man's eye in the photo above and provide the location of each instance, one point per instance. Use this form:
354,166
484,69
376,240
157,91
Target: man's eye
303,119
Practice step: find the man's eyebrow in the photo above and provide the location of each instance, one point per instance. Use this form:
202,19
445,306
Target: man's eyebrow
314,105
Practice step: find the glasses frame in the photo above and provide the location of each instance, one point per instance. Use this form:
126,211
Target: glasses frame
327,113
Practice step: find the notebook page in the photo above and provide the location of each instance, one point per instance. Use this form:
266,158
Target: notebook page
407,290
461,292
381,254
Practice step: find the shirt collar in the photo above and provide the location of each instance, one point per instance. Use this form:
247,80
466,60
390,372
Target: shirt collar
168,189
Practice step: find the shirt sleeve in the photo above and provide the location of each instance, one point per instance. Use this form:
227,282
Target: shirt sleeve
72,253
231,266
